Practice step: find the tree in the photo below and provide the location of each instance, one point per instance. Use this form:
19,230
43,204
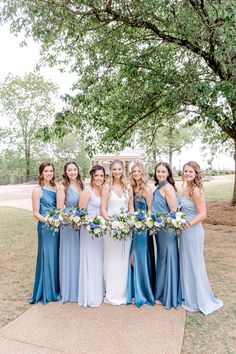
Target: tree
28,104
187,46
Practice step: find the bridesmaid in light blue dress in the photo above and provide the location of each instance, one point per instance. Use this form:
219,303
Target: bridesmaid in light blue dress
196,289
168,290
91,279
46,285
141,274
68,195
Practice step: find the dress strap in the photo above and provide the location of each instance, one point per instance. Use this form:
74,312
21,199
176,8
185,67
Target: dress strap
162,184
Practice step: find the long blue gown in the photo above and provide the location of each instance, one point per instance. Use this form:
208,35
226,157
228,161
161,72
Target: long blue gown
46,285
141,277
168,290
196,289
69,254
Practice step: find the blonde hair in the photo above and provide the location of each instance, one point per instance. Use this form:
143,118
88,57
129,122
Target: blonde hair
144,179
197,182
122,180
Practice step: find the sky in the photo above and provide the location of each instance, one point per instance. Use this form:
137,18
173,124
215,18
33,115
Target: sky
20,60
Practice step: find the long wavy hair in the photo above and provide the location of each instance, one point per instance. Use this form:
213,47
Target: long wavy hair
144,179
66,180
92,172
40,176
122,180
170,178
197,182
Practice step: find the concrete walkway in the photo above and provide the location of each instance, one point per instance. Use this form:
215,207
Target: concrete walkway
67,328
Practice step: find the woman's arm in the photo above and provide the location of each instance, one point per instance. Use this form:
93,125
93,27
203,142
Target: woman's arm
61,196
149,199
36,195
131,200
105,196
84,199
171,197
199,200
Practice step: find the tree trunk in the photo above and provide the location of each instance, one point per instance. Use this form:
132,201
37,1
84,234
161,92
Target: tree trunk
27,159
233,201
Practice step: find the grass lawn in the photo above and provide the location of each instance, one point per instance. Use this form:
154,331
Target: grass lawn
211,334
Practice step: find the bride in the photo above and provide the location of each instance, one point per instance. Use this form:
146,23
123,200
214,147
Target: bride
115,197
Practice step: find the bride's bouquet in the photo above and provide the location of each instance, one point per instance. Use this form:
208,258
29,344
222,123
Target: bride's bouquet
120,225
54,219
78,217
176,220
138,220
155,222
97,226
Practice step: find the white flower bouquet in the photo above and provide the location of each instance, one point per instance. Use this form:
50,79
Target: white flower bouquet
155,222
78,217
54,219
176,220
138,220
97,226
120,226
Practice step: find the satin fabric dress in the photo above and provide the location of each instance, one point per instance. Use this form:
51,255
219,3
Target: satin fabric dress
141,276
91,278
168,289
196,289
116,257
46,285
69,254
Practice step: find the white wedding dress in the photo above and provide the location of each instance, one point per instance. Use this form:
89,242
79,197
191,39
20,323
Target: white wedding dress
116,257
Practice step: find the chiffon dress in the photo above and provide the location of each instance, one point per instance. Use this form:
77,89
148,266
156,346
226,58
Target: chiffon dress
168,289
196,289
141,276
91,278
69,253
46,285
116,256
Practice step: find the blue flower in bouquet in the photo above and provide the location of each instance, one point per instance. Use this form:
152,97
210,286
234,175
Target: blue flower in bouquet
55,216
94,226
80,212
140,216
159,219
172,215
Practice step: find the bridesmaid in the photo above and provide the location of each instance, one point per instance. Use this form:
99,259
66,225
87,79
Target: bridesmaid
91,280
68,195
141,262
115,197
46,285
168,290
196,289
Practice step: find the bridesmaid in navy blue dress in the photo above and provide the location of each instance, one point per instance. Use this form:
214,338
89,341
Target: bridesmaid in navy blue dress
141,274
68,196
46,286
168,290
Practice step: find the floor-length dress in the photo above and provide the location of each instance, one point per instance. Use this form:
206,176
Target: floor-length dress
91,278
116,257
168,290
46,285
196,290
69,254
141,275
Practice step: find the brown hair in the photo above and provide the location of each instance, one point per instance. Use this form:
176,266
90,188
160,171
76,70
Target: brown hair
93,170
197,182
65,178
122,181
144,179
170,178
40,176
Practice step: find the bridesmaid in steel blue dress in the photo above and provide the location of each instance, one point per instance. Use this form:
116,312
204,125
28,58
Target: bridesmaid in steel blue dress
168,290
68,195
141,274
46,285
91,277
196,289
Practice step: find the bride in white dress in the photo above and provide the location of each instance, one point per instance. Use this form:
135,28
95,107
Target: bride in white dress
116,256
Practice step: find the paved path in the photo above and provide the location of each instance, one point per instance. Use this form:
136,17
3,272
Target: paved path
70,329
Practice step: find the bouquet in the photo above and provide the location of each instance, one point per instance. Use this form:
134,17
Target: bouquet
155,222
78,217
120,225
138,220
176,220
97,226
54,219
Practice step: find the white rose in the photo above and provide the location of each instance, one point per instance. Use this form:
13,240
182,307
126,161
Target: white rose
96,231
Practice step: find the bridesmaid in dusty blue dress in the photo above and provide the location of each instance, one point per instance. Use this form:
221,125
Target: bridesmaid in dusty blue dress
68,195
168,290
196,289
91,277
46,285
141,274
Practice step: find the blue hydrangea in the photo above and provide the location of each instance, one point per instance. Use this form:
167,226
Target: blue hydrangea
173,215
140,216
94,226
